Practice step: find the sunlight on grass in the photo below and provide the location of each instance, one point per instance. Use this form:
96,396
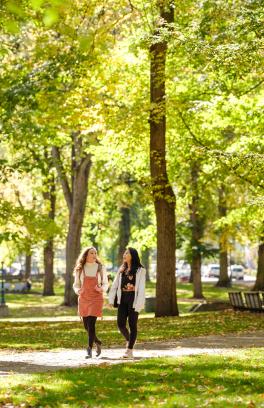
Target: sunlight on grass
194,381
36,305
42,335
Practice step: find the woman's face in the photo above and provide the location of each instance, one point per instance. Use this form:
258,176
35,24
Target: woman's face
91,256
127,257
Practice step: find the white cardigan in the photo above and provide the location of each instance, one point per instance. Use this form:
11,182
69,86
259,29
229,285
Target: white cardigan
139,301
79,278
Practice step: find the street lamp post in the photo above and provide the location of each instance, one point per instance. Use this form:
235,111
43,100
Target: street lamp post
3,306
2,286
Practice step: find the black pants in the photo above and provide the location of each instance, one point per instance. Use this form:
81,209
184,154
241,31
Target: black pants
89,325
126,311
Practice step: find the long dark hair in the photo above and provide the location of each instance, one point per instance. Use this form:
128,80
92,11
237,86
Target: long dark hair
82,259
135,261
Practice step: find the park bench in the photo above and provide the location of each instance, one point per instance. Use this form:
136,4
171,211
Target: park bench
20,287
254,302
7,286
236,300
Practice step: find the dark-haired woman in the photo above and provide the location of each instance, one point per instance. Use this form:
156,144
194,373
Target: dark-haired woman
129,287
90,280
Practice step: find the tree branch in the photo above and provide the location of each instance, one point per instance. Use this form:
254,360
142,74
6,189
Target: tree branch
252,88
62,176
220,154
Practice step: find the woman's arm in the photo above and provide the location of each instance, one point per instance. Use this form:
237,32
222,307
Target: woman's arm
77,283
141,291
113,289
105,283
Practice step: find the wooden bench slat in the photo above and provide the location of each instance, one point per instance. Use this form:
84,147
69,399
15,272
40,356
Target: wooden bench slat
253,301
236,300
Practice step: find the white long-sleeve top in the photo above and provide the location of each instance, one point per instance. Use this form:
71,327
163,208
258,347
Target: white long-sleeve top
139,301
90,269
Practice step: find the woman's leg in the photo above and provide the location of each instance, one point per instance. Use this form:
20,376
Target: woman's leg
97,340
85,323
132,321
122,314
91,320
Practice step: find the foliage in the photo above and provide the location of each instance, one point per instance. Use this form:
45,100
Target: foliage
83,67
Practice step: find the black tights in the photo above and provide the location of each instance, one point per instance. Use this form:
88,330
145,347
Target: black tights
126,311
89,325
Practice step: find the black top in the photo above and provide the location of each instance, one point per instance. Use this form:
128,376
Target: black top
128,281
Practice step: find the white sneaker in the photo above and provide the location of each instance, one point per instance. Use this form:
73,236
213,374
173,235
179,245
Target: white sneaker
128,354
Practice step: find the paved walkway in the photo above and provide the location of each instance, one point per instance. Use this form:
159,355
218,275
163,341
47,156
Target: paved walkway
42,361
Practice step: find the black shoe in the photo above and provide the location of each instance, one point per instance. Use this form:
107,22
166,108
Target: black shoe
89,353
98,348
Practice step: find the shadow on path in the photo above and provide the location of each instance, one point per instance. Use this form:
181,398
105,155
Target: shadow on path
43,361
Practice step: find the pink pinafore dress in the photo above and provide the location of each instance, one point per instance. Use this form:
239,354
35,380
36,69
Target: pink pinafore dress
90,301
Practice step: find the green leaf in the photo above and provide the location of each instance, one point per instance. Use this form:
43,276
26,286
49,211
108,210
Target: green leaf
50,17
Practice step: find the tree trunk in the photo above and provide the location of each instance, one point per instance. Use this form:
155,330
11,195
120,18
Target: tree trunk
124,233
259,284
28,266
197,234
145,261
224,280
48,287
196,272
48,253
93,237
73,247
76,218
163,195
76,197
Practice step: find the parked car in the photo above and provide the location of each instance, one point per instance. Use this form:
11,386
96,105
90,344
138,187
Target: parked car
213,270
236,272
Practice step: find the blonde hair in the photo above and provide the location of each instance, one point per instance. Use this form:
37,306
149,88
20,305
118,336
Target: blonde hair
82,259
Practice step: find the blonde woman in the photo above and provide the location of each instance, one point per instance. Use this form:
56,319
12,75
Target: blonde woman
90,281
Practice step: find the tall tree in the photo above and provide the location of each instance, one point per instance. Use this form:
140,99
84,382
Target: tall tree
145,261
224,280
75,190
124,233
28,265
259,284
163,195
197,232
48,251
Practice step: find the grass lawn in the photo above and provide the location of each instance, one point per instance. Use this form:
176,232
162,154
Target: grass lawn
50,335
36,305
194,381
